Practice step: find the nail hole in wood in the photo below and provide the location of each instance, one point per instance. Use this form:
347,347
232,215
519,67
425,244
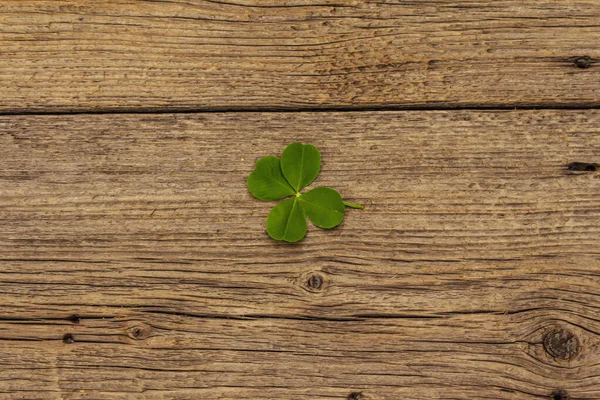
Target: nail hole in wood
315,282
560,395
356,396
582,166
68,338
74,318
582,62
562,344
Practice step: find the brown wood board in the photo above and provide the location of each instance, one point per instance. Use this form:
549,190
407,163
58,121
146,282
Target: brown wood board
135,264
60,56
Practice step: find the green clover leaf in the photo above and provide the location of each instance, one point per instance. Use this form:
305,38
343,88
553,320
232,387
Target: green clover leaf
275,179
287,221
323,206
300,164
267,182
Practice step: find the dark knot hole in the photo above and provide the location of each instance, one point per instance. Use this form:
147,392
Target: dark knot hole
68,338
356,396
582,62
74,318
560,395
582,166
315,282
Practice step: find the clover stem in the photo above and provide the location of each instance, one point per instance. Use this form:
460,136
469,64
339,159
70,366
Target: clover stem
354,205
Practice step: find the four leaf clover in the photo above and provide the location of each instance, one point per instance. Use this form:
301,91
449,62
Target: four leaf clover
275,179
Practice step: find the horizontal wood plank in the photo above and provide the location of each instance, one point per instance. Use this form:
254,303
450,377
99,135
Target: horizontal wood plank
294,54
179,357
134,262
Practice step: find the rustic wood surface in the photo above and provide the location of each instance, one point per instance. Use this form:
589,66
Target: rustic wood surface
134,264
260,54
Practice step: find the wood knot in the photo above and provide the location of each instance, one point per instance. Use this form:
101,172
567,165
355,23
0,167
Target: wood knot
582,166
138,332
74,318
68,338
356,396
315,282
562,344
582,62
560,395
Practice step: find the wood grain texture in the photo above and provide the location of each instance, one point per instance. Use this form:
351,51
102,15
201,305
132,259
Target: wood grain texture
135,264
260,54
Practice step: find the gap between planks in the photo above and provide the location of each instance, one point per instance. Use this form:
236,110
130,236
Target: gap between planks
325,109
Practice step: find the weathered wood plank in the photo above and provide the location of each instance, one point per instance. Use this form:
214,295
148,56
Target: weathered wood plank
479,356
476,252
193,54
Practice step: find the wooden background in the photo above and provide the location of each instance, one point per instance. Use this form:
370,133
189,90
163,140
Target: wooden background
134,264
